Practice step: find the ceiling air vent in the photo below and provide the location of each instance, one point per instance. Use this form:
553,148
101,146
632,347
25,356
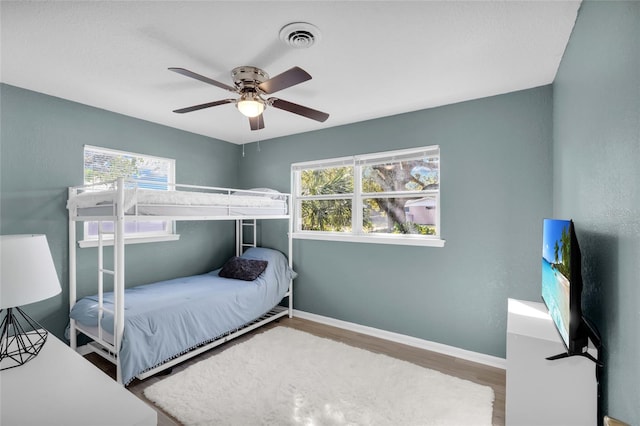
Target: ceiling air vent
300,35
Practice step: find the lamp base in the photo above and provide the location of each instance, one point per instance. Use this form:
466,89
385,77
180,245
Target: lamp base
17,345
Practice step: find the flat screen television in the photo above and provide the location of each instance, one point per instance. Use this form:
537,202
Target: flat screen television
562,284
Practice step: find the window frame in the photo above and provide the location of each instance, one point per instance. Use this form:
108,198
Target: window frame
358,197
169,231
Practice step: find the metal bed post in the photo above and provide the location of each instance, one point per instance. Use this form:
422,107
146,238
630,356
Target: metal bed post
290,253
118,246
290,213
238,237
101,279
254,242
73,337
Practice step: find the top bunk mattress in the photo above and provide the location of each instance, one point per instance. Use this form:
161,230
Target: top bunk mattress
148,202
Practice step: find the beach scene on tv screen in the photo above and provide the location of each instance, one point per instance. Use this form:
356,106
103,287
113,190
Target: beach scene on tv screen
556,277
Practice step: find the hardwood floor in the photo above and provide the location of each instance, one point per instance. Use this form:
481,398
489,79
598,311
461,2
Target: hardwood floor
478,373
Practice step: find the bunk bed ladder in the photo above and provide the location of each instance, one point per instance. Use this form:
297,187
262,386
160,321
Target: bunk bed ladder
101,273
241,244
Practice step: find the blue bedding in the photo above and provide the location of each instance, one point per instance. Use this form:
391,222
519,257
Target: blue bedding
166,319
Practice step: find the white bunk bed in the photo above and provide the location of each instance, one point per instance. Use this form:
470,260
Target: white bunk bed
124,201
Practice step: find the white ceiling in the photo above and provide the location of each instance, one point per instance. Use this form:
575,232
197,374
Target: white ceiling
374,59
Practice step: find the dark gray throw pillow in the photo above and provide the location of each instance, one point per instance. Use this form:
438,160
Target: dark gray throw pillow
243,269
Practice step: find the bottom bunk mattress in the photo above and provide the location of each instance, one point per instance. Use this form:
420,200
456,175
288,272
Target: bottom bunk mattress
168,318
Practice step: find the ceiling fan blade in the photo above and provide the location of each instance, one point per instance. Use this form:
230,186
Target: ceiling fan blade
203,106
304,111
291,77
257,122
203,78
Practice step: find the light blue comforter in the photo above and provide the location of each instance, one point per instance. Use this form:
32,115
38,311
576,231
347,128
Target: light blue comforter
166,319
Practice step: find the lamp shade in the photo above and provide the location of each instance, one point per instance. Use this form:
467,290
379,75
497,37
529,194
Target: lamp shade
27,273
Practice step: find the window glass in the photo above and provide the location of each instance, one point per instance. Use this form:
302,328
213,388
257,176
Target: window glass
395,193
408,175
102,166
105,165
325,181
389,215
326,215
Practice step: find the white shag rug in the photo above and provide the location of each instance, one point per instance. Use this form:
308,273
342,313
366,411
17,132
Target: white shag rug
288,377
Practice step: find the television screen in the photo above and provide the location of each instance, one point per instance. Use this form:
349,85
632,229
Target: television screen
556,274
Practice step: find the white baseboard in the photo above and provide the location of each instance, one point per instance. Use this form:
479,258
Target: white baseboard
480,358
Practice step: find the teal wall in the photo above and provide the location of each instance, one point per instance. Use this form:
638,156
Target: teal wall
496,189
597,183
41,154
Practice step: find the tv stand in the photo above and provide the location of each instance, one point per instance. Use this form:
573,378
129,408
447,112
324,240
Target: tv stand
594,337
540,391
584,354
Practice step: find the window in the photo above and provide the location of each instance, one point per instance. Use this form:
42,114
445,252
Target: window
388,197
157,173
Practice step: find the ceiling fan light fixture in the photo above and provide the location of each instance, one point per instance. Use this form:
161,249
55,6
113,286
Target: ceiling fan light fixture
251,84
250,106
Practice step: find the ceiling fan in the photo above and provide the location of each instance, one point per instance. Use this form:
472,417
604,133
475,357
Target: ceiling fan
251,84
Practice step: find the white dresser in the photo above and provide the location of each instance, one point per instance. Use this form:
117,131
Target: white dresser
60,387
562,392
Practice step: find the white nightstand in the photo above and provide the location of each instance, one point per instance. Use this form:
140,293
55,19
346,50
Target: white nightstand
60,387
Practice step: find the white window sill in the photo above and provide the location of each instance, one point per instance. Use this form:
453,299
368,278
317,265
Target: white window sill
405,240
130,240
